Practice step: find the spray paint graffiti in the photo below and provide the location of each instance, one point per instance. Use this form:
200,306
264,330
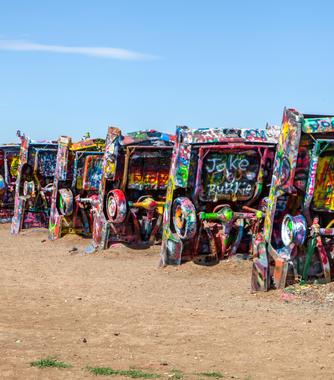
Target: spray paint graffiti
324,184
132,190
9,155
75,186
298,233
33,184
318,124
284,166
229,176
92,172
46,163
216,165
148,170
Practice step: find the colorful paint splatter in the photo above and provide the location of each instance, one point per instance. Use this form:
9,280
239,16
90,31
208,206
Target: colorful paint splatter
33,186
215,189
298,234
75,186
132,189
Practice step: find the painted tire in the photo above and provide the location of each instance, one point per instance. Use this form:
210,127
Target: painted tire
28,188
294,230
184,218
65,202
116,206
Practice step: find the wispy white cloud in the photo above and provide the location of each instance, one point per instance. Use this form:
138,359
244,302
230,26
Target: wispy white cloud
93,51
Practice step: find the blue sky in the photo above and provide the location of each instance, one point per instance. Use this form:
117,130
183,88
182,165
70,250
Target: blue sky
211,63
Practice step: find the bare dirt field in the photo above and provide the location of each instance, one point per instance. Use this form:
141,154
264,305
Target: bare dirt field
116,309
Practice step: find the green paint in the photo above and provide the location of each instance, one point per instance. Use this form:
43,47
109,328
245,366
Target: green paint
309,253
61,203
227,215
259,214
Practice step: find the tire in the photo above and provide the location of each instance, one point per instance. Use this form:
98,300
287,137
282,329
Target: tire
65,202
184,218
293,230
116,206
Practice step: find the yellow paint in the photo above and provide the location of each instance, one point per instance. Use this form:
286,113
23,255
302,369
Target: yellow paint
14,166
324,184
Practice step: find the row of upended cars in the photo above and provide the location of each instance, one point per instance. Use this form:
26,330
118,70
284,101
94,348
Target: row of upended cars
202,194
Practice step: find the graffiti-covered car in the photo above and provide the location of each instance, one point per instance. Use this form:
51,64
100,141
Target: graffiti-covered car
132,190
297,243
216,191
9,158
36,168
75,187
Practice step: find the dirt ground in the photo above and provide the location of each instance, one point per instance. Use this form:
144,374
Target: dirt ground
117,309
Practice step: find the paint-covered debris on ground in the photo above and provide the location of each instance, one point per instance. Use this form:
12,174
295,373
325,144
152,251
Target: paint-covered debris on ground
33,188
216,193
132,189
75,187
9,160
297,243
316,293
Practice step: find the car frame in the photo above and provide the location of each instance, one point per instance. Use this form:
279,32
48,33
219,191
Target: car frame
33,184
206,205
75,186
297,241
132,189
9,158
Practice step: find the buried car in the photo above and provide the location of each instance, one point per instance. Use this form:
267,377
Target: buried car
76,184
297,243
216,190
9,158
37,163
132,189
